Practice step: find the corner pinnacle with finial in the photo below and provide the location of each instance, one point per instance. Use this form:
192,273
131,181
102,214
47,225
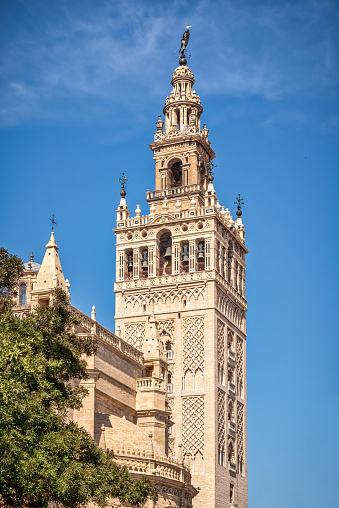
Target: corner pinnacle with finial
123,179
239,201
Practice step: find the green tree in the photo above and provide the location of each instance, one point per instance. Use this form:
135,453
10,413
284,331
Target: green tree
11,269
43,457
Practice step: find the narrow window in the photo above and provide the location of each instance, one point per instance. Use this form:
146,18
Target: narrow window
22,294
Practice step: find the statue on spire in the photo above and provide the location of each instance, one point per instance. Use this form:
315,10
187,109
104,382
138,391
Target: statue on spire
184,41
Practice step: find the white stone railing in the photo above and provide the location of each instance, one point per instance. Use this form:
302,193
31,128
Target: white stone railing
137,462
150,383
174,191
164,279
106,336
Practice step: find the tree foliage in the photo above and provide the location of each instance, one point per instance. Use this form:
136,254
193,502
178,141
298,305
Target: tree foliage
44,457
11,269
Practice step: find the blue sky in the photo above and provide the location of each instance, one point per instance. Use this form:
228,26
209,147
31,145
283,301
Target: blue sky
82,85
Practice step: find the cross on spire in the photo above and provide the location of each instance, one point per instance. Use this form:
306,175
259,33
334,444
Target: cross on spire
53,222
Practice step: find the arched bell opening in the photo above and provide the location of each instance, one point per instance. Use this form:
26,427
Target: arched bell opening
200,255
176,174
184,257
129,265
144,263
165,253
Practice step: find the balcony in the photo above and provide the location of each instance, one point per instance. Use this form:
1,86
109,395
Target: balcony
150,383
174,191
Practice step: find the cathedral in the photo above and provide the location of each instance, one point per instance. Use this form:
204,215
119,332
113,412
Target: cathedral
167,390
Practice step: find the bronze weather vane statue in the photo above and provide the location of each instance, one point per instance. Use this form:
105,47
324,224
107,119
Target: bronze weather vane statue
184,41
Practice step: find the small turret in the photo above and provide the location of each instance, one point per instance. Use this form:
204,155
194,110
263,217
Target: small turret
50,275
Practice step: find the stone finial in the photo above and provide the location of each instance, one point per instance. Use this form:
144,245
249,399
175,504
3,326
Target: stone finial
138,211
159,123
193,202
205,131
152,209
93,313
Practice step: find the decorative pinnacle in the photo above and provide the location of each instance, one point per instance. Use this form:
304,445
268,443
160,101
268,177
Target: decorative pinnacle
239,201
53,222
123,180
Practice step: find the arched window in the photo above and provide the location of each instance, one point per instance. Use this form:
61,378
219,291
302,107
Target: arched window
176,174
22,294
165,254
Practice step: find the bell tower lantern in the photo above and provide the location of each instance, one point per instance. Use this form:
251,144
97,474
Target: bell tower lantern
181,148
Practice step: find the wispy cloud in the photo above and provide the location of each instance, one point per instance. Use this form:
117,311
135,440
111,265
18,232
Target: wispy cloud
118,53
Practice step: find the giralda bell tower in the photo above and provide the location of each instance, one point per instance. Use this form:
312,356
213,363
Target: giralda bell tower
184,263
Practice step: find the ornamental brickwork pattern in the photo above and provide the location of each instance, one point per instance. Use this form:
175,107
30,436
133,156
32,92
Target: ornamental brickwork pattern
193,425
193,357
135,332
221,343
240,361
221,421
240,434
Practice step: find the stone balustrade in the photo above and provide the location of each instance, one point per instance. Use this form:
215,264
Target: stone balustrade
137,461
174,191
108,337
150,383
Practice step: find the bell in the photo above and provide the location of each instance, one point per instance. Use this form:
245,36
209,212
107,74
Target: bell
130,262
168,252
144,259
184,254
200,251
